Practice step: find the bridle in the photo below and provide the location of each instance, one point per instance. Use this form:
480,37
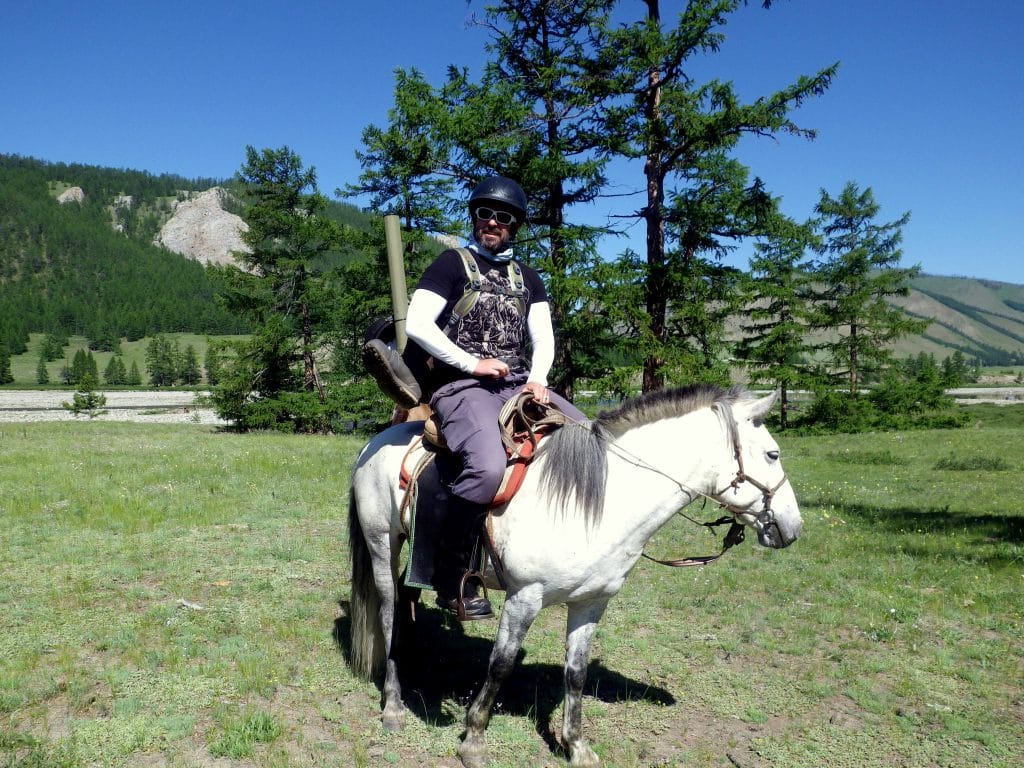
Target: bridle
766,516
736,533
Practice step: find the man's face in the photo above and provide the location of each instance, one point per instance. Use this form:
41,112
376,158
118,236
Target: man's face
489,232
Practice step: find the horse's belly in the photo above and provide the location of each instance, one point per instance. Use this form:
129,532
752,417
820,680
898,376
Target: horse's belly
567,568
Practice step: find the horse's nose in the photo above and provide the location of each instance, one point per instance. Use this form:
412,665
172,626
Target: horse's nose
777,537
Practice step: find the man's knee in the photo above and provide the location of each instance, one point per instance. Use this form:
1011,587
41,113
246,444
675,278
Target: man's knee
481,475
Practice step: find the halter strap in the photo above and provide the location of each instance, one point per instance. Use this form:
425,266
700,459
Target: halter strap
767,494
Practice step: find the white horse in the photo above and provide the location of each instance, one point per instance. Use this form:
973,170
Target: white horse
595,495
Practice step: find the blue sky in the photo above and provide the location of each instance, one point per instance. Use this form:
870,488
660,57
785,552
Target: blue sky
927,108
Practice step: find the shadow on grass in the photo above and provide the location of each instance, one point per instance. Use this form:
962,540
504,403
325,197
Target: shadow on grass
440,663
987,529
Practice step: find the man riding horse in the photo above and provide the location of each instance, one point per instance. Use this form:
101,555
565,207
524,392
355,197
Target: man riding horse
484,319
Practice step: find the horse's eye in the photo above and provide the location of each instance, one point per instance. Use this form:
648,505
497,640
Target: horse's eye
773,455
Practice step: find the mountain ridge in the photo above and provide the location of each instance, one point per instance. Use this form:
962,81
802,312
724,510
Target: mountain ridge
981,318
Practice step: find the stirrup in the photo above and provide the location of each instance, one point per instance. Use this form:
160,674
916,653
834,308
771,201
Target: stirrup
461,613
457,605
391,373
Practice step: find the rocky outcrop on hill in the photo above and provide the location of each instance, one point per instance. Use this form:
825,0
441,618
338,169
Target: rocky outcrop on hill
71,195
201,229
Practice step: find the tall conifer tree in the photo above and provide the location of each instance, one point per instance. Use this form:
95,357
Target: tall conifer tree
698,198
774,339
544,59
858,274
287,288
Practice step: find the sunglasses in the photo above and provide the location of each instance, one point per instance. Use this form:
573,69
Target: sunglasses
486,214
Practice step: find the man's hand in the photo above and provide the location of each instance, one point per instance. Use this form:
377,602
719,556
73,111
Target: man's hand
491,367
539,391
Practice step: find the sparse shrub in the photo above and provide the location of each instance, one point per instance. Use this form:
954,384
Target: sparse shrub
240,737
87,400
972,463
871,458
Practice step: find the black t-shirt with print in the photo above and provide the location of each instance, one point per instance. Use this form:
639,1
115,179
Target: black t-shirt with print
496,324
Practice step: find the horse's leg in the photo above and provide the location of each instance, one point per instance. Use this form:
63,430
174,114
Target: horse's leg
579,633
374,556
517,615
393,714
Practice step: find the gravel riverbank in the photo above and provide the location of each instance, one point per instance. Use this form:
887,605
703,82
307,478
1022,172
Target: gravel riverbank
163,407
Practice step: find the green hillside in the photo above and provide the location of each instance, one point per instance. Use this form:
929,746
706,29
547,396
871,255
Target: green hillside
64,269
90,268
983,319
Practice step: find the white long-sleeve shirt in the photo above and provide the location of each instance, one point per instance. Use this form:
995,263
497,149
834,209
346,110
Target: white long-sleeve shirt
421,326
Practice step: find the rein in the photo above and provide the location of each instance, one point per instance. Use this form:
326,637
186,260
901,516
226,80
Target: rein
734,536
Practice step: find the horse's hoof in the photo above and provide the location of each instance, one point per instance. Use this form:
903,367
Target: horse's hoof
472,753
584,757
393,720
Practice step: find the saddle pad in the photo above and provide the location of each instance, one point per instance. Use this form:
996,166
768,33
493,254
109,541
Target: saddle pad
426,515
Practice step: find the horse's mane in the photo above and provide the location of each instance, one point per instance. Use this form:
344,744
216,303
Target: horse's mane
577,469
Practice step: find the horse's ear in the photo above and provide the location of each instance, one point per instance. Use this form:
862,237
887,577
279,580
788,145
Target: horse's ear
758,409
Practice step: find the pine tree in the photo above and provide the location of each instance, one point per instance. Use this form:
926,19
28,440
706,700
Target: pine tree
134,377
954,369
53,346
213,363
189,373
698,199
115,372
531,117
774,340
6,377
400,163
42,375
540,98
160,362
83,364
857,275
86,399
287,289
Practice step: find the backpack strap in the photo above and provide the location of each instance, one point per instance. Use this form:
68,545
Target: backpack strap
518,291
474,284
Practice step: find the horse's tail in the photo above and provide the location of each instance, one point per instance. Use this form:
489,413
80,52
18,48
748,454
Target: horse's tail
367,639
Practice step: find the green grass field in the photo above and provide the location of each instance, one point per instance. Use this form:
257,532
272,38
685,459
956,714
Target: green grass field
176,596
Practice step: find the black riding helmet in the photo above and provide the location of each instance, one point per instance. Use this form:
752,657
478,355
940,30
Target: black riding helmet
498,189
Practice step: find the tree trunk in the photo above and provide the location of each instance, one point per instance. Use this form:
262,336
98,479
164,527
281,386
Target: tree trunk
310,379
564,371
656,289
853,359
